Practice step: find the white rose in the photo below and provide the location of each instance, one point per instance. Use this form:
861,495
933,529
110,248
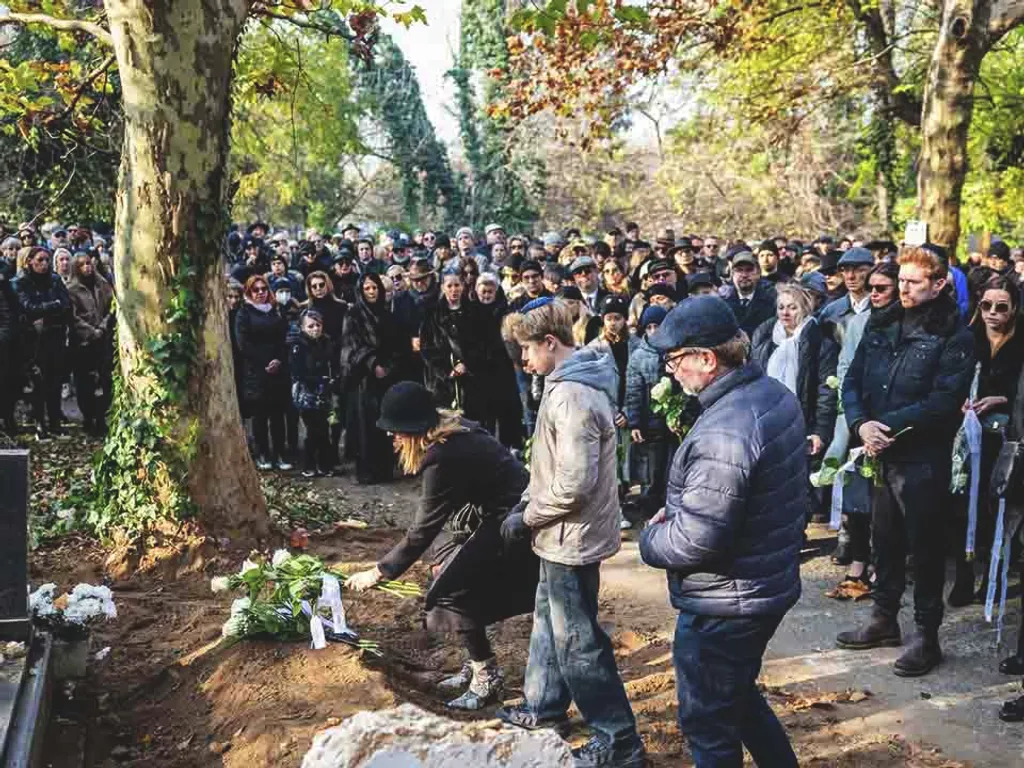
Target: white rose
280,557
248,565
662,389
233,627
219,584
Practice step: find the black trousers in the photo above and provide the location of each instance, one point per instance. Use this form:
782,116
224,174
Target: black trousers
267,424
318,452
47,378
476,643
92,374
909,513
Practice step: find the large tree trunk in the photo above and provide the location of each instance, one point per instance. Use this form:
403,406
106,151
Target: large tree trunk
946,115
178,397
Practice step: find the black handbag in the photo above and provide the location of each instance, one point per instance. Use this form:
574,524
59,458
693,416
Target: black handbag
1006,482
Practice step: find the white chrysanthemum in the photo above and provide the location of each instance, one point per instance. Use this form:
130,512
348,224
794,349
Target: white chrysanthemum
41,601
89,602
219,584
233,627
279,558
240,605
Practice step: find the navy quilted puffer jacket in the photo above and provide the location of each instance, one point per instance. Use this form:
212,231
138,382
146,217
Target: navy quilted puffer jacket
737,502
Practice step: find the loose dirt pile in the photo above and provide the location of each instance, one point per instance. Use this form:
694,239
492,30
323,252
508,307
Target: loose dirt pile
171,693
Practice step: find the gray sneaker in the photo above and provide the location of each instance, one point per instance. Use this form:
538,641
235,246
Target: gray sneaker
485,687
597,753
458,681
521,716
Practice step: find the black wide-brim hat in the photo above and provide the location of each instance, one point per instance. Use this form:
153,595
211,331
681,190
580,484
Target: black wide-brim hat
407,408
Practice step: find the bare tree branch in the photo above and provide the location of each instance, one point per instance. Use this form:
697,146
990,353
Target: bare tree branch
63,25
1006,14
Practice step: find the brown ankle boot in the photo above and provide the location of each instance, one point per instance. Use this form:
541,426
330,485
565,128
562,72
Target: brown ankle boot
923,654
880,632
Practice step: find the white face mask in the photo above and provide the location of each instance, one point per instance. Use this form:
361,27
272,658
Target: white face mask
283,297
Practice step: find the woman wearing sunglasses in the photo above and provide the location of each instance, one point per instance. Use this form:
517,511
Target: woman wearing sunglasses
1000,355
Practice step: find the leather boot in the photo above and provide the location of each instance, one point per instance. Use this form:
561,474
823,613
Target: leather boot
880,632
922,655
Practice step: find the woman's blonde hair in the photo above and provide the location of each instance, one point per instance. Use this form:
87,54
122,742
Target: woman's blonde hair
412,449
553,319
799,296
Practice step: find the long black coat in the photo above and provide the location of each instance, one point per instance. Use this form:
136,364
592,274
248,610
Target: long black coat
261,338
449,337
819,356
370,338
912,369
489,582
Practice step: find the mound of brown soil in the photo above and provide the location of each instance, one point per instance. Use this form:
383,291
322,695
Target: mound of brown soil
172,693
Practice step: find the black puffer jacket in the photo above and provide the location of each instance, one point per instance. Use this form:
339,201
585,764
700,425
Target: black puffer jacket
313,370
736,503
819,356
913,368
261,338
43,297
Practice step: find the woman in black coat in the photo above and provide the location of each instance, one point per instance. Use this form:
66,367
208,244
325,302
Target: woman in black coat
999,350
795,349
44,308
454,344
373,353
504,417
470,483
261,331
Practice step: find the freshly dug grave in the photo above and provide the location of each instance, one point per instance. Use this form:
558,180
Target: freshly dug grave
172,693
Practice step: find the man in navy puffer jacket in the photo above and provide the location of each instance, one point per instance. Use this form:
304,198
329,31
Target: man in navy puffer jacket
730,534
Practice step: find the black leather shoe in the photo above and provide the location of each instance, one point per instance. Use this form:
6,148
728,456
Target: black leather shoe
879,632
1012,711
1012,665
842,555
922,655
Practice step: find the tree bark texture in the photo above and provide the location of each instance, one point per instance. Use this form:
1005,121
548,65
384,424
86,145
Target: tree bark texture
946,115
175,62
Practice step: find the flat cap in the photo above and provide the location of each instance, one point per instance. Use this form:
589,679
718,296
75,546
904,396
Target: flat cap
857,257
700,321
581,263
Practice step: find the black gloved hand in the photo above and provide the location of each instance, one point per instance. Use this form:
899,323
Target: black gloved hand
513,528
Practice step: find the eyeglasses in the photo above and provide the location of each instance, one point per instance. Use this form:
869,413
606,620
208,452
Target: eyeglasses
999,307
877,288
317,285
671,363
260,289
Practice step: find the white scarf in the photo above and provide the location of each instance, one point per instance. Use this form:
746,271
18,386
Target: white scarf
784,364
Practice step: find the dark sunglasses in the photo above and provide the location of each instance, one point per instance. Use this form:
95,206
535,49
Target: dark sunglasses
876,288
1002,307
318,285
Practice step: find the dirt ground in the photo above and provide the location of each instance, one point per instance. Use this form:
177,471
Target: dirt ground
171,693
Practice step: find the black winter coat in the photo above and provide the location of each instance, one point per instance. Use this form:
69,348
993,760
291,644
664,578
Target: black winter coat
819,356
411,308
912,369
369,339
469,468
8,315
449,337
736,503
760,308
43,297
261,338
313,368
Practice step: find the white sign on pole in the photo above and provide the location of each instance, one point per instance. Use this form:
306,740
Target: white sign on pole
916,233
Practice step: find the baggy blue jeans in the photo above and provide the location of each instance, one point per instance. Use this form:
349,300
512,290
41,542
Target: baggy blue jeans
717,662
571,657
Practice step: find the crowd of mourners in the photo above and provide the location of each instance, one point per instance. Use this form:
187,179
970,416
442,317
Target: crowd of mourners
887,348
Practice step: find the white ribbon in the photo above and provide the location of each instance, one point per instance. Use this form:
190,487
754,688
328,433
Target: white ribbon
316,630
331,598
837,487
972,431
1000,548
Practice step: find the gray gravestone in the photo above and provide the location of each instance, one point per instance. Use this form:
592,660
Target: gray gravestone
14,484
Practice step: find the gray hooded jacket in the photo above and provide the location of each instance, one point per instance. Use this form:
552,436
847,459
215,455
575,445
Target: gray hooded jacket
573,497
